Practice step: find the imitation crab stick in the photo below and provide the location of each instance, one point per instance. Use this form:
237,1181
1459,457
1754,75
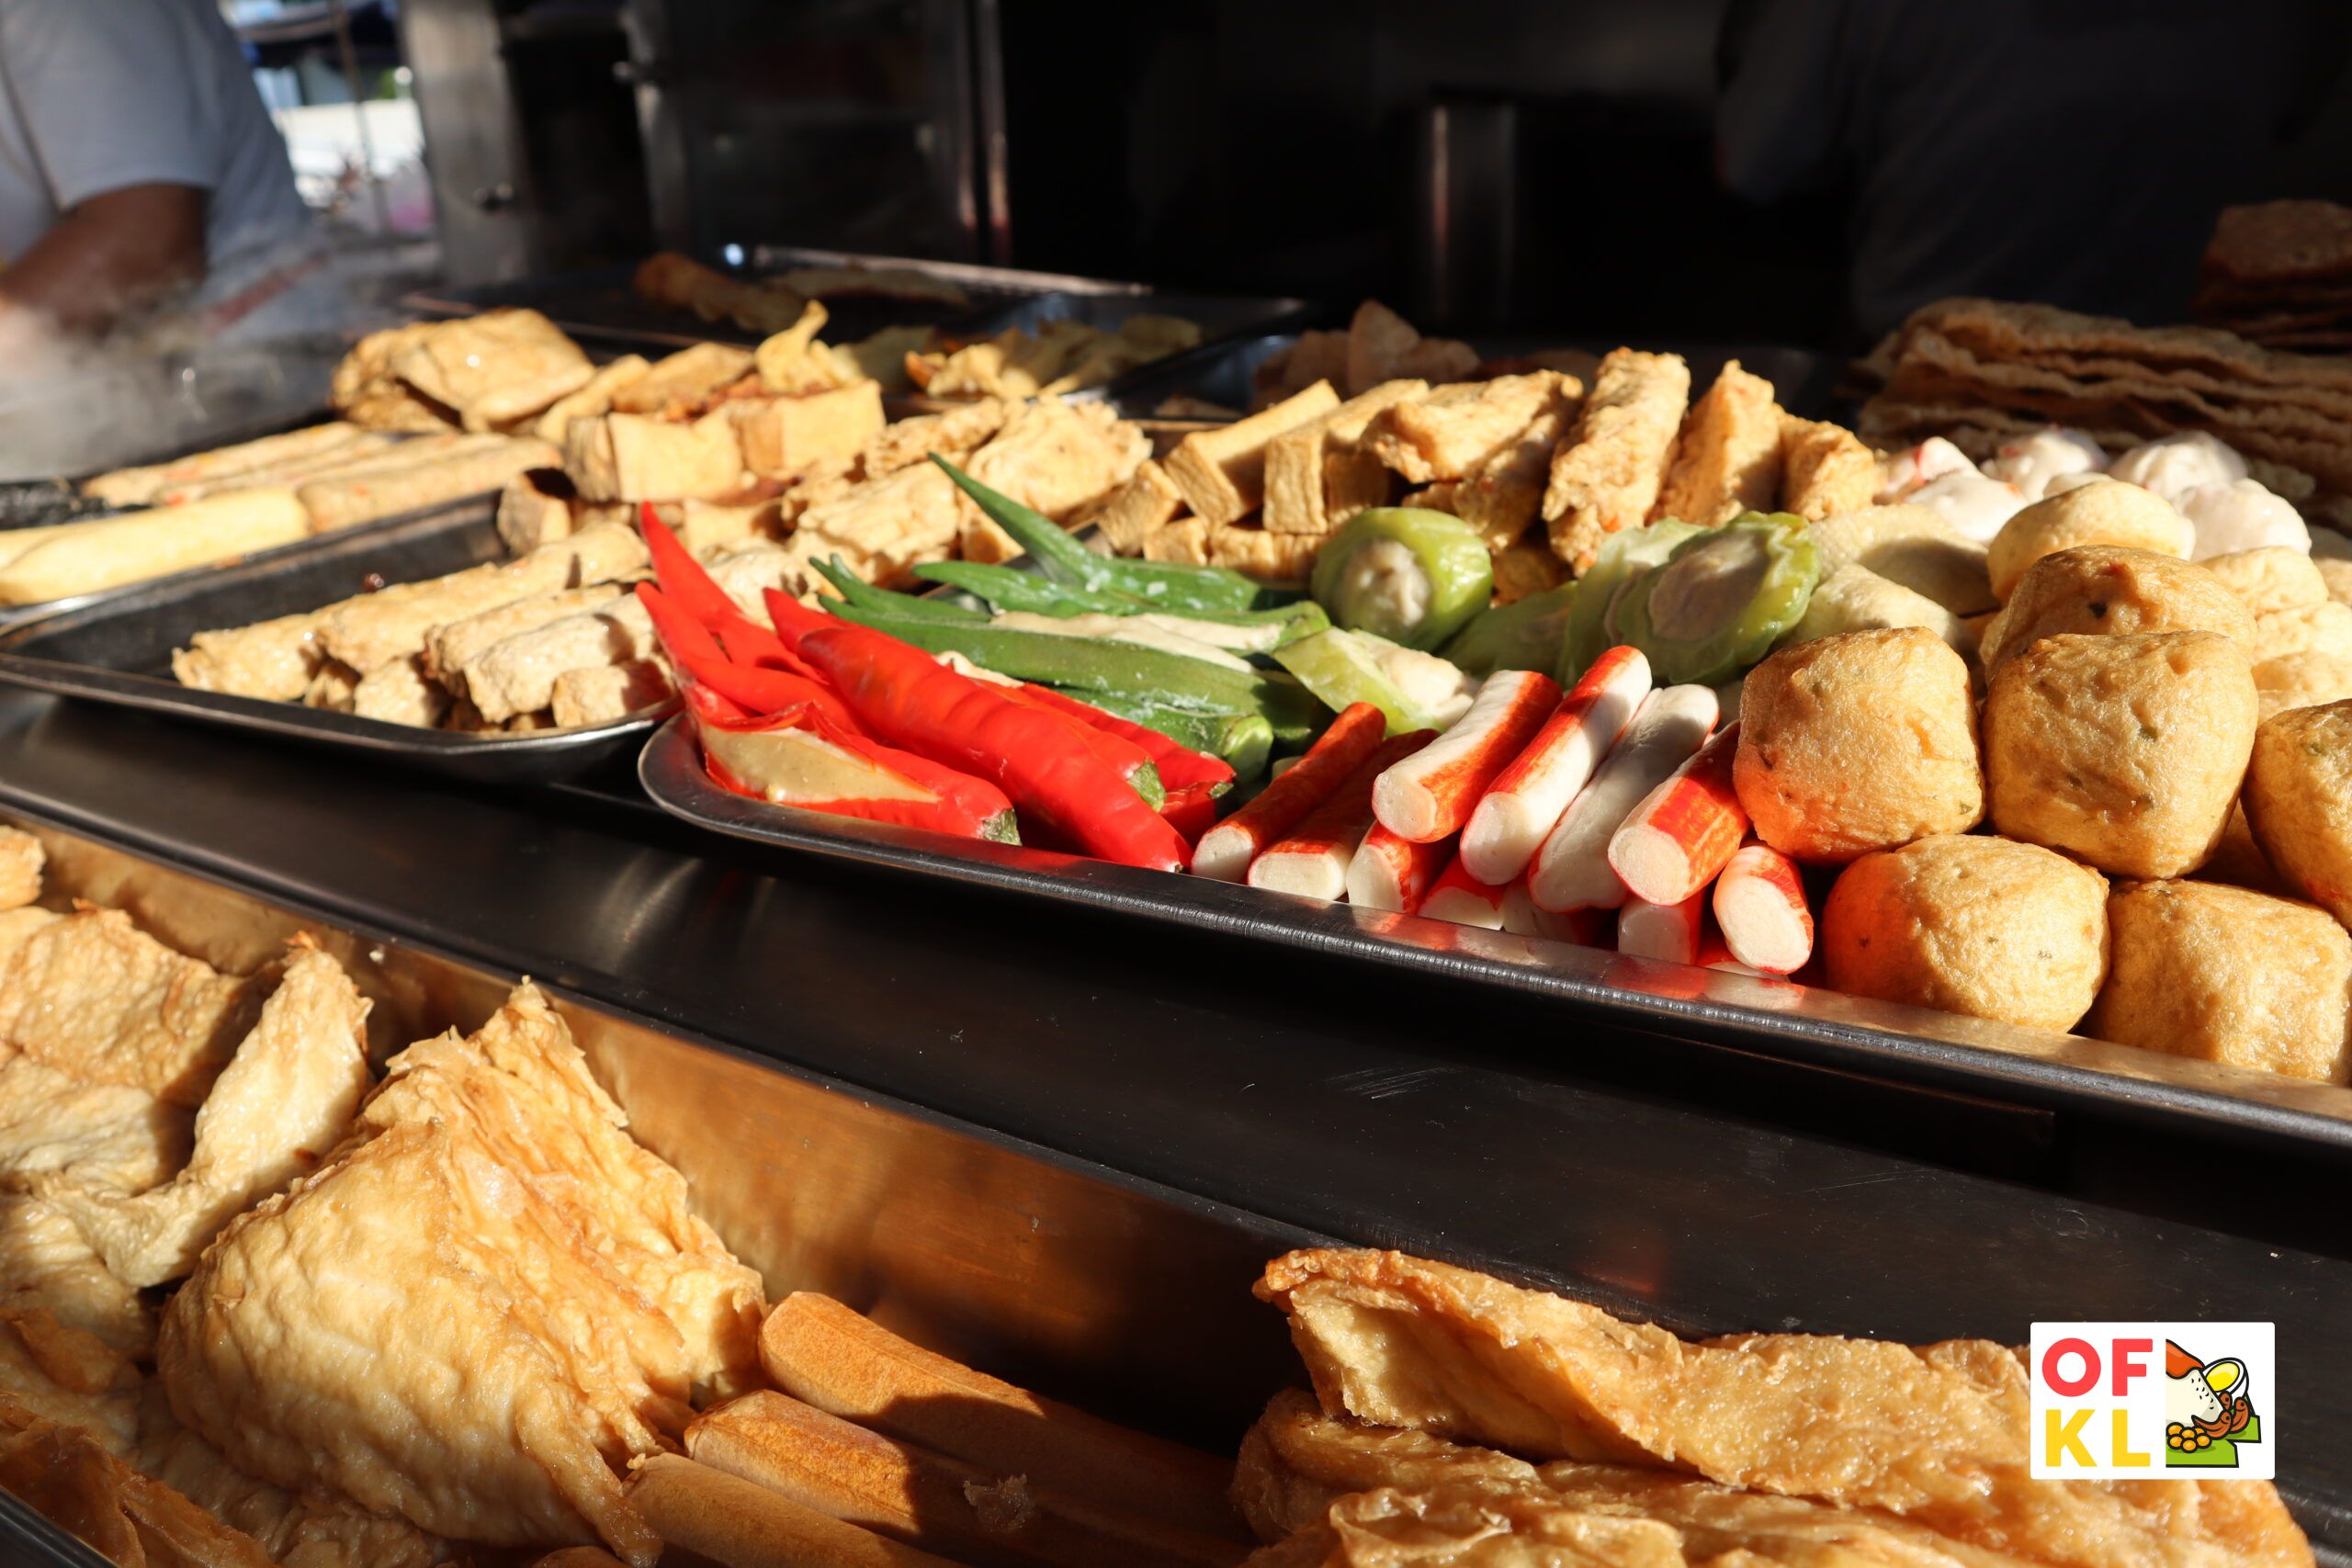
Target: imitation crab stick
1461,898
1523,916
1571,871
1390,873
1226,851
1759,903
1671,931
1715,954
1528,797
1685,830
1314,857
1430,795
1040,758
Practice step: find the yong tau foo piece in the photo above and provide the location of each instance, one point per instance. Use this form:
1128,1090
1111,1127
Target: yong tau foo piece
1862,741
21,860
2101,512
1607,477
2305,629
1223,472
558,1304
725,1519
626,457
388,486
84,558
595,396
1727,458
782,435
2112,590
1140,508
1294,492
1855,598
2125,751
678,385
2301,680
1503,495
1973,925
2273,577
1453,429
2228,975
493,368
2299,801
1929,1445
1824,469
1916,546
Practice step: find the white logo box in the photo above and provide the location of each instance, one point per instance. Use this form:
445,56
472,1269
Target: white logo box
2103,1401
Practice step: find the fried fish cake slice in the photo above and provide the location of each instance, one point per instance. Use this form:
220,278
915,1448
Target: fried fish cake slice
1449,432
1501,496
1826,469
1936,1435
1727,458
1608,477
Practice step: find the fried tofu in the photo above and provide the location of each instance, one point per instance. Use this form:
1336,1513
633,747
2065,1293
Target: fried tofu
1608,477
1294,459
1263,554
1501,496
1727,460
628,456
1223,472
1455,429
495,368
1184,542
883,528
678,386
1053,455
952,434
792,362
535,507
784,436
1138,509
595,396
1826,470
607,693
398,691
1383,347
1524,570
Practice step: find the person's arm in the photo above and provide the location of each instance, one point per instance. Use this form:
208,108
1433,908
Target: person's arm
110,254
1781,105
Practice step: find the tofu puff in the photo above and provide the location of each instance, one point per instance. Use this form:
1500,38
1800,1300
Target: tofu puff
2225,974
2112,590
2103,513
2299,801
2125,751
1973,925
1856,742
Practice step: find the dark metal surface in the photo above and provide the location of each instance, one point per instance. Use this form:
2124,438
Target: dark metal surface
602,304
1676,1178
116,648
1773,1017
1803,379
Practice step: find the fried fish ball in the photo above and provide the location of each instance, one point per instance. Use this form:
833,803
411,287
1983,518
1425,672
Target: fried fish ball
2306,629
2125,751
2239,861
2224,975
2108,591
2337,575
1969,924
2299,801
2103,513
1856,742
2302,680
2275,577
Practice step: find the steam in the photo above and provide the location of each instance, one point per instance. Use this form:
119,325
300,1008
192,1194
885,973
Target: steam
255,348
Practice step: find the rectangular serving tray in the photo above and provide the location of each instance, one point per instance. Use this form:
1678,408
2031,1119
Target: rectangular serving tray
1770,1017
116,648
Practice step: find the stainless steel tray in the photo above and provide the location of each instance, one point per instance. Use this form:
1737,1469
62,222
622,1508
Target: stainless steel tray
116,648
1224,372
600,303
1102,1281
1773,1017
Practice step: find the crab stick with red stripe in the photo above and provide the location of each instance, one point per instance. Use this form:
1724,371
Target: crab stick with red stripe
1430,795
1685,830
1523,916
1390,873
1714,953
1571,871
1460,897
1671,931
1313,859
1226,851
1759,902
1527,799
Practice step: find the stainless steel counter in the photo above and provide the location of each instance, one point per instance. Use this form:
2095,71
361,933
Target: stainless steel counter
1670,1179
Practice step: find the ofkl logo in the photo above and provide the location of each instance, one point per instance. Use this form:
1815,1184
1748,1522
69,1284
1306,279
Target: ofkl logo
2125,1401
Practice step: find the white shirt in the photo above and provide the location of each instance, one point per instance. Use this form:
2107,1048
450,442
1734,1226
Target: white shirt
97,95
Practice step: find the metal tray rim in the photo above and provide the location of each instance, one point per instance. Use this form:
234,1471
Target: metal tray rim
453,750
1772,1016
